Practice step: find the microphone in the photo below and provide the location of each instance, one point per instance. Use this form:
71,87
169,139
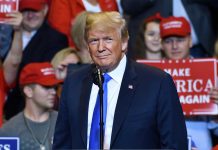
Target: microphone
98,80
97,76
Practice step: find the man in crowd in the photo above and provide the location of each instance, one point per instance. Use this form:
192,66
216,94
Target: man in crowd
176,37
40,41
35,124
40,44
198,12
176,42
142,108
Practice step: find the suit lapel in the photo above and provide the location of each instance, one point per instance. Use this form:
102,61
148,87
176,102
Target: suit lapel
125,98
84,104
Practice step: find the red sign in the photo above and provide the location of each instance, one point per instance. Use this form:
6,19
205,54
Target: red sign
7,6
193,78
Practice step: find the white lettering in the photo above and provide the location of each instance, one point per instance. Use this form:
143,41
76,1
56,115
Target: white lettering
180,72
180,85
197,85
7,147
208,85
190,85
5,8
194,99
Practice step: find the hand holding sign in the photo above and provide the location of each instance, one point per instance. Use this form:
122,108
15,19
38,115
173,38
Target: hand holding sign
14,19
214,94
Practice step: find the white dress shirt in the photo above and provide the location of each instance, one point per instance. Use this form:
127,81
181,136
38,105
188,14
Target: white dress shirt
26,37
113,93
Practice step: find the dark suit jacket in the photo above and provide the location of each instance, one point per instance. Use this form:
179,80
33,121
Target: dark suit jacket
42,47
147,116
198,11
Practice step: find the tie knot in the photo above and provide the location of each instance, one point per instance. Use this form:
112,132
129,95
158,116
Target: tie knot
107,78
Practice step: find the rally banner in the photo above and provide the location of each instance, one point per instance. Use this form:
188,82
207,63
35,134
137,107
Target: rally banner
193,79
7,6
9,143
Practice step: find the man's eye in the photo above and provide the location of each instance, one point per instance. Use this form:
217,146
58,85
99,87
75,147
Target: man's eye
50,87
93,41
180,40
108,39
167,41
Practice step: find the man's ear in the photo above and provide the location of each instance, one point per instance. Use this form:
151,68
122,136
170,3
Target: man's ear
124,45
45,10
190,42
28,91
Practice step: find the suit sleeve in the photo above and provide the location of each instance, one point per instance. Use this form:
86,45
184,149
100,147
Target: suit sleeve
170,119
62,135
56,43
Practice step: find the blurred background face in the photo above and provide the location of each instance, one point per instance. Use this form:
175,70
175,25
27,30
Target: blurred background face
152,37
32,20
61,68
43,96
106,48
177,47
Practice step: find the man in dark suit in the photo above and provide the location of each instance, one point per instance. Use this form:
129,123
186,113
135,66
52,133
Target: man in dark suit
40,43
143,108
198,12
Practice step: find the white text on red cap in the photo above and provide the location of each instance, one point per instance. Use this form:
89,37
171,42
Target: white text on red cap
172,24
47,71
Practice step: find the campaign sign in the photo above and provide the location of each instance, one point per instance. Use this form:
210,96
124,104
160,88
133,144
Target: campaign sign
9,143
7,6
193,79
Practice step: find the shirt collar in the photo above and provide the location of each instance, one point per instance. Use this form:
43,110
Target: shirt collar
117,73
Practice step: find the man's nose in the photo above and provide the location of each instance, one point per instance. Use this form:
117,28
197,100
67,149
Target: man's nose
30,14
101,45
53,90
174,44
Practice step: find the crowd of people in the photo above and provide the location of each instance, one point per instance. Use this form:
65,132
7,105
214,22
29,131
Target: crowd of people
49,50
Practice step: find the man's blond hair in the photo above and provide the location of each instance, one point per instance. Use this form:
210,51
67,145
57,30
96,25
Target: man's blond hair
105,21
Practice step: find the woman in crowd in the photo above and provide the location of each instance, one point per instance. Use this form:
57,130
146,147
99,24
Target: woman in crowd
148,42
77,55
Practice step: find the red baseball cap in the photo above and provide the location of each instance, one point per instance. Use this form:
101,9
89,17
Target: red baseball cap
157,16
32,4
174,26
40,73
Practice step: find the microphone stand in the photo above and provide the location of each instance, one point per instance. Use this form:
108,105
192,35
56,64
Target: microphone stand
101,92
98,79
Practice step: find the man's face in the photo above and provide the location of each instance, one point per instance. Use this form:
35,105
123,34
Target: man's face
177,47
43,96
32,20
106,48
